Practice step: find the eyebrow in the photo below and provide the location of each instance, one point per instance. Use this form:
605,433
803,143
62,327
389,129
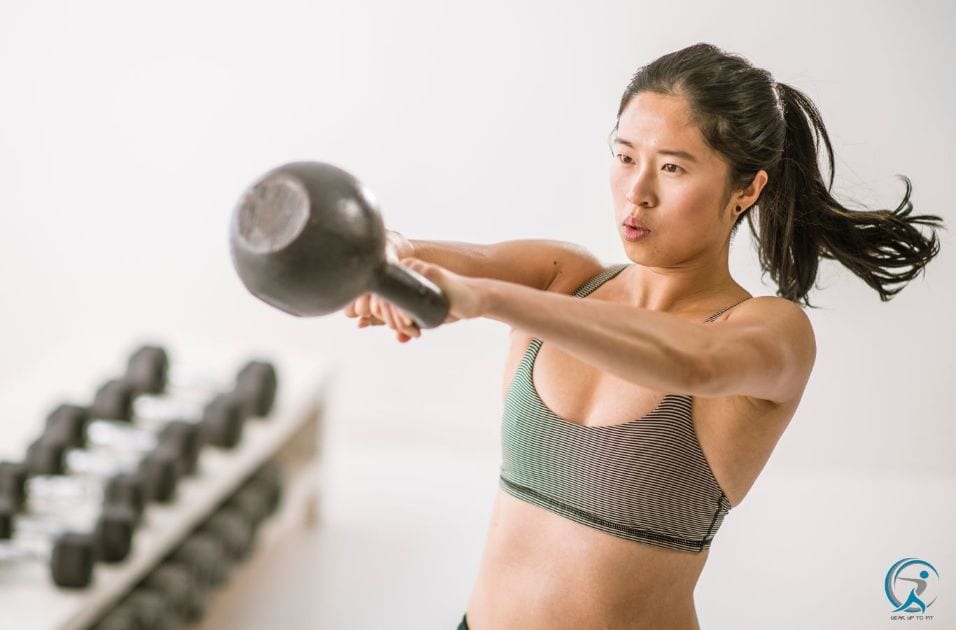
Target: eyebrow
681,154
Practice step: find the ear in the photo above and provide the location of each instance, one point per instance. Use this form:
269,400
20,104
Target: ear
748,196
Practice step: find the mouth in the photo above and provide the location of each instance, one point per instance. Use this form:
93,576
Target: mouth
634,225
633,234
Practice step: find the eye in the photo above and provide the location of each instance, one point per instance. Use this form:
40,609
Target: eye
621,158
674,165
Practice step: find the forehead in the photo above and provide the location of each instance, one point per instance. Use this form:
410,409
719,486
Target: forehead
659,120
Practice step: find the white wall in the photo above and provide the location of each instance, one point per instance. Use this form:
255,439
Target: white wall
128,130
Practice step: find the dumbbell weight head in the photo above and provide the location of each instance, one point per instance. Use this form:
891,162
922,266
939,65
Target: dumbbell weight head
46,455
71,562
222,420
152,610
160,472
113,536
13,482
113,400
182,591
122,617
308,239
257,383
147,370
233,530
252,503
70,422
126,489
185,438
268,479
205,557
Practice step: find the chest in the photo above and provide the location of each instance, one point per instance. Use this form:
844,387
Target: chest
583,394
736,433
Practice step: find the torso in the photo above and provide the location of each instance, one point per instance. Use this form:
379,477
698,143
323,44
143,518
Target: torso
541,570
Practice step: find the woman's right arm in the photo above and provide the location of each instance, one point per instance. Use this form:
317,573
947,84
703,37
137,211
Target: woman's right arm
535,263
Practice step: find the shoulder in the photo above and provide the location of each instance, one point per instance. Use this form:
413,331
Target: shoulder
781,317
764,350
769,306
576,266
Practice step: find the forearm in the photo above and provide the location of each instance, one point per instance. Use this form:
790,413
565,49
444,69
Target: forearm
528,262
648,348
467,259
459,257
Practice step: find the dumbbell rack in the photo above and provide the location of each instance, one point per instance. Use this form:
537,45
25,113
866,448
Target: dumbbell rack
28,598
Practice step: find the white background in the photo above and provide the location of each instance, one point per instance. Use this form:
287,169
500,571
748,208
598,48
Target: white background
128,131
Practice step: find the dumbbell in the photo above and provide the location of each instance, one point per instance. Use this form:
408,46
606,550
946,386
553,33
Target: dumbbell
56,468
70,552
153,610
143,609
220,419
205,558
308,239
183,593
233,530
269,477
157,384
130,400
268,480
74,424
253,503
221,542
236,522
122,488
121,617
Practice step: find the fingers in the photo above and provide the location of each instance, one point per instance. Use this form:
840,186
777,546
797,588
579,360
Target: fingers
397,320
361,308
379,311
372,310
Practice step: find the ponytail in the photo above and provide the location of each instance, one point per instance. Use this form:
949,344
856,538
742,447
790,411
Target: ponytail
800,221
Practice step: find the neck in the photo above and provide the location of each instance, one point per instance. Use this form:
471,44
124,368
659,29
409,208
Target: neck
680,290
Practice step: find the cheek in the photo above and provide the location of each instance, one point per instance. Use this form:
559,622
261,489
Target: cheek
692,202
618,183
613,177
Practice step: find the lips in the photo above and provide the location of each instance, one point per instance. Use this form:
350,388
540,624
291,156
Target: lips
637,225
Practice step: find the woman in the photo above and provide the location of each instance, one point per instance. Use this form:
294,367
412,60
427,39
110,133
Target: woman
642,400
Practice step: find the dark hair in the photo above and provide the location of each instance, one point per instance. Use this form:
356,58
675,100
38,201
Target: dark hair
757,123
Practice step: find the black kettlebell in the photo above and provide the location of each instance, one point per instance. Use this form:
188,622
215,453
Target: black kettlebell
308,239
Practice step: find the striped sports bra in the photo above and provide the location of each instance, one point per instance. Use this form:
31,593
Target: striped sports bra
645,480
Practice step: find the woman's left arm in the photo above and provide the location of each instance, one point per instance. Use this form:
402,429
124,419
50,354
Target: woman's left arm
766,353
652,349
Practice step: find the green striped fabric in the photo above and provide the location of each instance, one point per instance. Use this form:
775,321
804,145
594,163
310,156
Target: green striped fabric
645,480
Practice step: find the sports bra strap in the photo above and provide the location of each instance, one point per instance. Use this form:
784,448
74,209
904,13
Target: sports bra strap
595,281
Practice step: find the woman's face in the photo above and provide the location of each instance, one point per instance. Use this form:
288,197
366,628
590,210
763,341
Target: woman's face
665,176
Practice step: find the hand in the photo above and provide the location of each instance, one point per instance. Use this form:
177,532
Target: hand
466,296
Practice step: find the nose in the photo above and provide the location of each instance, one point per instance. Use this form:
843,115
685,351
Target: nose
640,188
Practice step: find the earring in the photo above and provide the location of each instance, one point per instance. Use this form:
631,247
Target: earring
738,208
